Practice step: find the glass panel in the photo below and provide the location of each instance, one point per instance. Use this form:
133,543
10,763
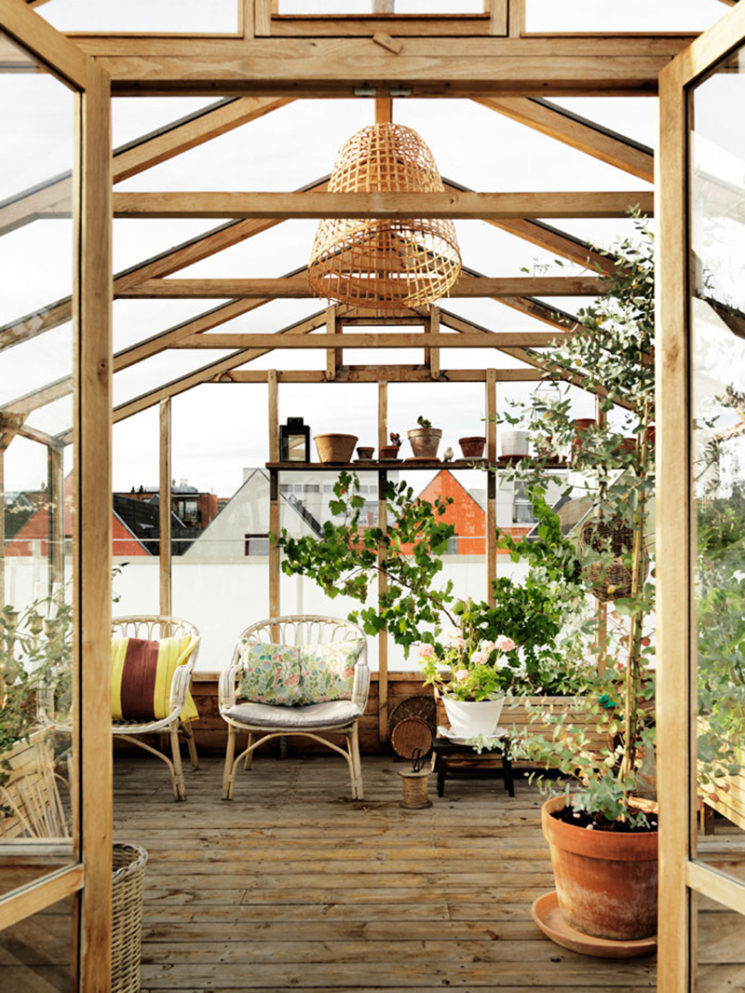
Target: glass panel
165,16
717,192
633,15
721,948
36,953
36,263
381,6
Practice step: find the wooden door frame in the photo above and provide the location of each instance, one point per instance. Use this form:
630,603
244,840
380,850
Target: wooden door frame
681,877
88,877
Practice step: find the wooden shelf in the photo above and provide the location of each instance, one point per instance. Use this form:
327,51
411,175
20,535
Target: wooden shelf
377,465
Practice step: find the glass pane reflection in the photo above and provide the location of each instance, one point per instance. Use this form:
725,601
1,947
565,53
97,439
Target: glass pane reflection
36,262
718,383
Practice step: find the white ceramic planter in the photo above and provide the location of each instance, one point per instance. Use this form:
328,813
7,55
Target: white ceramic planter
469,718
514,442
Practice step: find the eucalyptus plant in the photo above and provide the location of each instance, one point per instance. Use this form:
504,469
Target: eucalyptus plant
609,352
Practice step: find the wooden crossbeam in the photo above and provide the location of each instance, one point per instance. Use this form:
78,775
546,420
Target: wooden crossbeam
489,339
297,287
427,66
578,132
473,206
383,374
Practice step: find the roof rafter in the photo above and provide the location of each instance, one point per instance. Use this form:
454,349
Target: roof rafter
577,132
53,198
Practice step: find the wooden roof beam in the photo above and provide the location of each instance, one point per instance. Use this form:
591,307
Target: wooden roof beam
384,374
486,339
551,65
577,132
297,287
452,204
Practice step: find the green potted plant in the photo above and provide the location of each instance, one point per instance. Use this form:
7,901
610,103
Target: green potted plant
603,840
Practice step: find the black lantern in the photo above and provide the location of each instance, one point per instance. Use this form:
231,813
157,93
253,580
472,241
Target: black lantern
294,441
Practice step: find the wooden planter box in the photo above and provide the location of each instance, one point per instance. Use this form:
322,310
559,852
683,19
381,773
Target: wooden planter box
516,717
727,798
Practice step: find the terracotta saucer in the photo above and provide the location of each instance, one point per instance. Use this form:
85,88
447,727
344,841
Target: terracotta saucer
546,914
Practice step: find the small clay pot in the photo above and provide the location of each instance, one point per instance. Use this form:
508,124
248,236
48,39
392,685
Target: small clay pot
389,452
363,452
472,448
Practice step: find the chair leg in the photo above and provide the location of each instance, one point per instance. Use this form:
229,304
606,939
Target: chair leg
191,745
228,776
179,788
358,791
249,755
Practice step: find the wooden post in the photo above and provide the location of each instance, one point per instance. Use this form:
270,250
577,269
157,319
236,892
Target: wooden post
92,296
56,505
384,6
491,496
432,355
383,636
382,416
164,489
675,710
334,356
515,17
274,525
601,608
382,524
262,10
246,18
383,110
2,526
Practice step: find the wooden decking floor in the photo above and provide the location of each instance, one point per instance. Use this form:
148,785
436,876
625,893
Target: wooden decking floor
293,886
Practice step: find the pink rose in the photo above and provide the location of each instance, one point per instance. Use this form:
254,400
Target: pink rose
454,635
425,651
505,644
479,658
488,647
461,675
458,643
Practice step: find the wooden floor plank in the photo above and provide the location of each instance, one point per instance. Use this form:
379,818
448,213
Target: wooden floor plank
292,885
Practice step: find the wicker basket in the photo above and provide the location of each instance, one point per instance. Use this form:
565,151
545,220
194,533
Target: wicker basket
126,939
609,581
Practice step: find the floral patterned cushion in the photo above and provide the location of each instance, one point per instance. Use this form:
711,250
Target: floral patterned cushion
271,674
328,670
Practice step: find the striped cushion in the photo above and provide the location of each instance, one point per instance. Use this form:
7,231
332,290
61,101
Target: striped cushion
141,677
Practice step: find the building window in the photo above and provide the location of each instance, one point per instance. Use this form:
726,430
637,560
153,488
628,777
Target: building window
187,511
522,510
256,544
452,548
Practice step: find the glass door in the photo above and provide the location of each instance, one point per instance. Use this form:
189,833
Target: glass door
55,574
701,384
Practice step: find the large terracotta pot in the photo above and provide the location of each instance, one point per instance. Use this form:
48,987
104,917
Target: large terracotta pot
606,882
335,447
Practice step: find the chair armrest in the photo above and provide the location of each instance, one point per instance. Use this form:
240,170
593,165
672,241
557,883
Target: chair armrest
226,687
180,686
361,686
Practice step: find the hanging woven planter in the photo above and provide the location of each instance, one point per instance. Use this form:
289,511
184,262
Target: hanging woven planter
609,581
379,263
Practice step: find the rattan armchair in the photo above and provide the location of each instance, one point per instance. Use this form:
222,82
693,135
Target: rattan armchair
264,721
155,628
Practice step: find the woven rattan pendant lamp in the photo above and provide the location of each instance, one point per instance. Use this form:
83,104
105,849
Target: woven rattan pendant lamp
384,264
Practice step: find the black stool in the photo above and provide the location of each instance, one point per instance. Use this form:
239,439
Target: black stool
445,749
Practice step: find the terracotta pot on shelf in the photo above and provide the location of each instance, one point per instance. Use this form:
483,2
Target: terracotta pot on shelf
606,881
389,452
472,447
335,447
424,442
365,452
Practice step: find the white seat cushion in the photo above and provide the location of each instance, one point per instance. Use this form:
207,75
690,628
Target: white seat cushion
335,713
